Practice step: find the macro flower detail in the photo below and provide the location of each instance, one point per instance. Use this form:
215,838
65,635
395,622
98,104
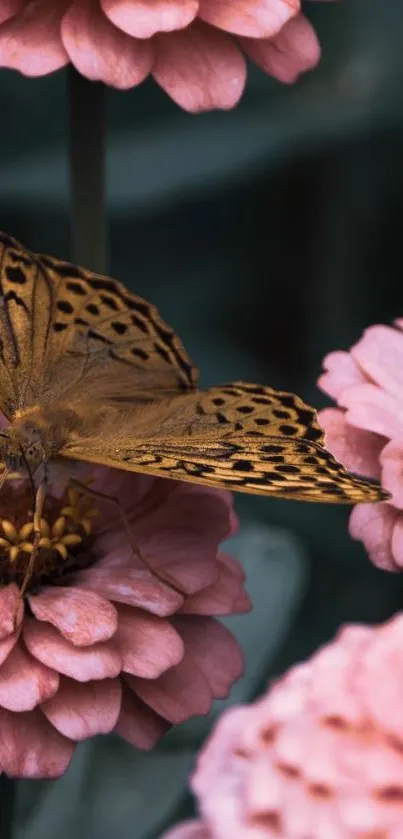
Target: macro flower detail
117,629
319,755
365,433
195,49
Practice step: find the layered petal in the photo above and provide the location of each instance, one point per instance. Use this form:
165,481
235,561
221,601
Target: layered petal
374,527
143,19
80,711
83,617
138,723
379,353
357,450
253,18
133,587
372,409
203,634
25,682
177,694
30,40
11,610
341,372
292,51
100,661
200,68
101,51
147,644
32,748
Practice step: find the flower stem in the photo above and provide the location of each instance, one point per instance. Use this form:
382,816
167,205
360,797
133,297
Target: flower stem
8,795
87,130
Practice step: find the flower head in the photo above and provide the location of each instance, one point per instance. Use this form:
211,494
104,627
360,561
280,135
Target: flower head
321,755
116,631
195,49
366,433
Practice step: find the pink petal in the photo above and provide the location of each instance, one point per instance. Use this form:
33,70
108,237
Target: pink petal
220,597
11,610
397,542
200,68
137,723
341,372
6,645
31,42
9,8
356,449
289,53
25,682
380,355
374,527
132,586
373,409
255,18
214,650
177,694
189,830
30,747
392,471
147,645
100,51
83,617
142,19
80,711
179,539
101,661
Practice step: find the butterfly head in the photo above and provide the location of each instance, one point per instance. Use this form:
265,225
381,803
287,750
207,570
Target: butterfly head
19,451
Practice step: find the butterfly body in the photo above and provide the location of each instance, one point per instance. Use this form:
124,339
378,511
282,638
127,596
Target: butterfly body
90,372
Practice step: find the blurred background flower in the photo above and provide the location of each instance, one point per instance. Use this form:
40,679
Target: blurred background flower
366,433
195,49
118,646
319,755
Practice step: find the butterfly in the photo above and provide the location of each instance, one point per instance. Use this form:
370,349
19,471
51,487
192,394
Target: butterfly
90,372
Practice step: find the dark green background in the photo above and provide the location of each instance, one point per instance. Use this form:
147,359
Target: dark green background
267,236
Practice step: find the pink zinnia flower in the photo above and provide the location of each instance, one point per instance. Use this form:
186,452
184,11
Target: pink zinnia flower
195,49
319,756
366,433
103,641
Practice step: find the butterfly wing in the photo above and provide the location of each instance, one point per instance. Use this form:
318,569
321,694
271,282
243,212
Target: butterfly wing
239,436
64,329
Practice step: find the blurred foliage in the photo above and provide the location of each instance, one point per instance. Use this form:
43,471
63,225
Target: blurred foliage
267,236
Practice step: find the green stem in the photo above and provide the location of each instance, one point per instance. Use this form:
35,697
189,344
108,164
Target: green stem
8,794
87,135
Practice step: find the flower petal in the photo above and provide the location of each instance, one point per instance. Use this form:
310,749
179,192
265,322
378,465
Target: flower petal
25,682
132,586
101,661
219,598
371,408
9,8
374,527
31,42
137,723
380,355
289,53
142,19
30,747
102,52
83,617
356,449
80,711
200,68
341,372
188,830
11,610
255,18
214,650
177,694
148,645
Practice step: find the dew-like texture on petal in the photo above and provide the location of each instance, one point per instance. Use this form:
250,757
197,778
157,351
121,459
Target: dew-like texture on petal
366,432
148,645
357,450
143,19
254,18
200,68
318,756
138,723
31,748
25,682
294,50
101,51
30,41
83,617
103,652
80,711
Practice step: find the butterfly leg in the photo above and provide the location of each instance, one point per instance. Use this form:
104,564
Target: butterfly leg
92,493
39,502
